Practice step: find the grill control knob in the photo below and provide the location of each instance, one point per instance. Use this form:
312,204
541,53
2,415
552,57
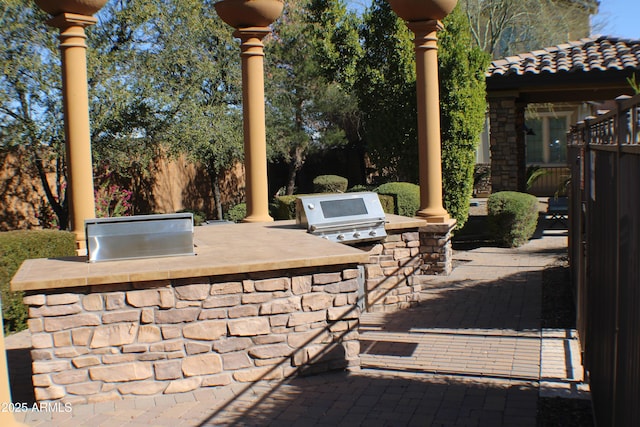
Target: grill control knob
356,234
340,237
372,233
311,206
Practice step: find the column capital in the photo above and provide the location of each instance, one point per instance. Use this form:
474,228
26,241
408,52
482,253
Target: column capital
251,40
65,20
426,37
251,32
425,27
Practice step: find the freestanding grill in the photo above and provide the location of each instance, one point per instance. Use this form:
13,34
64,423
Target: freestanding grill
342,217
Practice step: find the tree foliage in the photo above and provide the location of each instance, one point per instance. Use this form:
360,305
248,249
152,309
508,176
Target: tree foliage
311,64
172,68
388,100
387,94
462,112
163,79
30,111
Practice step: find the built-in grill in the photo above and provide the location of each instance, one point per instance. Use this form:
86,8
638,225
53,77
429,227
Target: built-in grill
342,217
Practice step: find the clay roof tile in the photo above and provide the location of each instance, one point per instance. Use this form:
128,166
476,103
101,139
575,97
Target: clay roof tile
589,54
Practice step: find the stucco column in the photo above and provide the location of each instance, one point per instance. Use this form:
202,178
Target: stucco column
255,140
427,86
76,120
251,20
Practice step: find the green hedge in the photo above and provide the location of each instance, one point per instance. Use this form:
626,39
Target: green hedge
512,217
283,207
388,203
330,184
360,188
236,213
406,197
17,246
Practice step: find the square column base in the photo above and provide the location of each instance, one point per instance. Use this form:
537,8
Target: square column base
435,248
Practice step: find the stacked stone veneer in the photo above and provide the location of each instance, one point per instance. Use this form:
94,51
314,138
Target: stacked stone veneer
507,144
107,342
435,247
397,263
389,272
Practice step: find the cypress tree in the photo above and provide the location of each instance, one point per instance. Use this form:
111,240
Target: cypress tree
462,110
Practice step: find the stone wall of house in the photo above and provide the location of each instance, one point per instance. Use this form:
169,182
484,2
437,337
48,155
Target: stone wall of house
107,342
508,163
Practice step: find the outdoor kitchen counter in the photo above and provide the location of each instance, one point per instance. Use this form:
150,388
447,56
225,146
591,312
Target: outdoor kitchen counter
220,249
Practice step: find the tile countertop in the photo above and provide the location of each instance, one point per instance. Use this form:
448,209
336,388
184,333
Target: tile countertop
220,249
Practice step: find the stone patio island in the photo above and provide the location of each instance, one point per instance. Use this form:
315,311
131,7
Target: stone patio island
257,301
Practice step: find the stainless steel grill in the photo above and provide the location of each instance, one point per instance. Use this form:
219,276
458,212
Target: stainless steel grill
342,217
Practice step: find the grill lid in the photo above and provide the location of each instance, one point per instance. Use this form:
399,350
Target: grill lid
342,217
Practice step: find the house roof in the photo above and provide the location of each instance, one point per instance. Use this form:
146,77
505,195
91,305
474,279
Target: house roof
594,68
590,54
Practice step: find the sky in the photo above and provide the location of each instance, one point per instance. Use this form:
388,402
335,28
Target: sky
619,18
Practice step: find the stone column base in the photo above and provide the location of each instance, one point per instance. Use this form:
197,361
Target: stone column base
435,248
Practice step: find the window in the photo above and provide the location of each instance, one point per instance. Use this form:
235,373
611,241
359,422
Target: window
533,141
546,140
557,140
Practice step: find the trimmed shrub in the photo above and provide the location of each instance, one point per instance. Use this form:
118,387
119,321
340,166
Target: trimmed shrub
512,217
283,207
17,246
359,188
388,203
237,213
406,197
330,184
388,206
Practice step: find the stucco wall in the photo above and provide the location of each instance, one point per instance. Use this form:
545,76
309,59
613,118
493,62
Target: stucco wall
173,185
